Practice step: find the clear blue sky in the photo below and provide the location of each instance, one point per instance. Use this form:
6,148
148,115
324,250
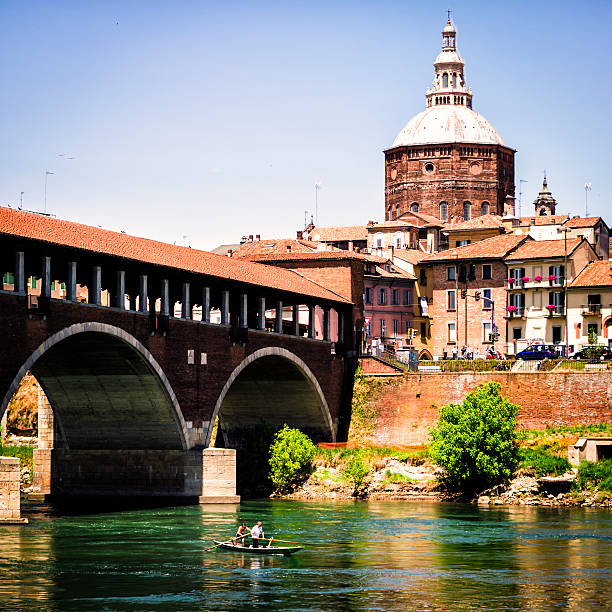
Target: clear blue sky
214,120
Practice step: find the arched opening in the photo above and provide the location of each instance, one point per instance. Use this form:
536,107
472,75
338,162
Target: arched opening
443,211
425,355
397,211
270,388
116,425
467,211
414,207
445,80
484,208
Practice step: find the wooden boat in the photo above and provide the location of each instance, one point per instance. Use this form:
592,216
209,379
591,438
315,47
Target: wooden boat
260,550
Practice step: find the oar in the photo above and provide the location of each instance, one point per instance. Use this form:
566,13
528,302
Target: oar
288,541
220,544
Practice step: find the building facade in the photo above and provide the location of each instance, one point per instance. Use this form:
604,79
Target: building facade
449,161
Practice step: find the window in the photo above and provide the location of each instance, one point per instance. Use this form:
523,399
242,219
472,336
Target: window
8,278
395,297
451,331
369,295
486,331
486,303
556,334
484,208
378,240
517,333
383,328
454,79
445,80
382,297
592,329
451,300
33,284
559,274
397,211
423,330
486,272
516,274
407,297
555,299
398,240
461,243
443,211
414,207
467,211
396,331
518,301
422,277
594,303
429,168
450,273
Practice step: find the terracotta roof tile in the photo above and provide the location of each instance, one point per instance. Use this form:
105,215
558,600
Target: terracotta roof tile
582,222
496,247
331,234
275,246
544,220
544,249
482,222
336,254
412,256
96,240
596,274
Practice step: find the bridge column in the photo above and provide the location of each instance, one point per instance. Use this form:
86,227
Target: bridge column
244,311
20,281
186,302
10,502
41,468
45,290
261,314
219,476
295,323
225,308
311,322
206,305
95,295
71,285
278,321
143,293
165,298
326,325
120,298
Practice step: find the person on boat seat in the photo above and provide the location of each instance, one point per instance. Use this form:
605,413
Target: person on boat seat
241,534
257,533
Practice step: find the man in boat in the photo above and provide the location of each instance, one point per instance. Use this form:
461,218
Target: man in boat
241,534
256,533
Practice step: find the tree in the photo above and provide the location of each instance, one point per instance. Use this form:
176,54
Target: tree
291,456
475,442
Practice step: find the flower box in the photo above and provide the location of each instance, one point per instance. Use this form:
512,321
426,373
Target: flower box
552,277
537,279
525,279
511,308
511,281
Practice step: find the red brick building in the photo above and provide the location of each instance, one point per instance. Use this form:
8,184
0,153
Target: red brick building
449,161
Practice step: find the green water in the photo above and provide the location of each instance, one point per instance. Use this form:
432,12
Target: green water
360,556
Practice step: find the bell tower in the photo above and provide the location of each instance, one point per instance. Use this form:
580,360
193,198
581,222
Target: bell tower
545,204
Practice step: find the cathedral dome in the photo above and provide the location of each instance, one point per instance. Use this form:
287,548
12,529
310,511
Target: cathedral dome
448,124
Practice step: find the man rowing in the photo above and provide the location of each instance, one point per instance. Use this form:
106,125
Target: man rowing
256,533
241,534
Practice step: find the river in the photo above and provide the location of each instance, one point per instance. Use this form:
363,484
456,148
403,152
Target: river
360,556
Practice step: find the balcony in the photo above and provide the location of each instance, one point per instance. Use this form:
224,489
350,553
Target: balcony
515,312
556,281
590,310
555,310
515,283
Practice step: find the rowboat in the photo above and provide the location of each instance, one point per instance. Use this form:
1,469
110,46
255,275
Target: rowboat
259,550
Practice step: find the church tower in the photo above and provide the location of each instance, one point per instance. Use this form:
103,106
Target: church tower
545,204
449,161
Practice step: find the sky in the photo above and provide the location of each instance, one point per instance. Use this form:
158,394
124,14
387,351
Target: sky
200,122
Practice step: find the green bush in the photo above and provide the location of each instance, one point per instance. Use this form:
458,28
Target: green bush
356,469
475,442
542,462
291,456
598,474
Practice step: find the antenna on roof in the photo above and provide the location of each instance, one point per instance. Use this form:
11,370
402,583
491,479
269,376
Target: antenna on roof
317,187
521,181
21,199
587,188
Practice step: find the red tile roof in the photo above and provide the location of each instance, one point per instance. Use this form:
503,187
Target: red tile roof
336,254
96,240
482,222
333,234
596,274
412,256
544,220
274,246
496,247
582,222
544,249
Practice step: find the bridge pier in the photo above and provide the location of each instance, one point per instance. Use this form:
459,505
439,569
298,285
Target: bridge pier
10,500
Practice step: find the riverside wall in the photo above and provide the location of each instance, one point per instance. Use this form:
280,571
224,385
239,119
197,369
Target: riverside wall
407,407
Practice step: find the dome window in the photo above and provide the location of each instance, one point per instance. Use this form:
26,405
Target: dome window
443,211
397,211
414,207
467,211
445,80
454,79
484,209
429,168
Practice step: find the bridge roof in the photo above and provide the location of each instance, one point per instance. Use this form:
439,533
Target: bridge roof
34,226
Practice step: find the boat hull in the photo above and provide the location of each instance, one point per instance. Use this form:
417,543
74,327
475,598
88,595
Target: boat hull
260,550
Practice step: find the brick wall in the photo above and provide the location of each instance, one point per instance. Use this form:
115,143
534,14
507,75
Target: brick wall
374,366
408,407
456,178
477,313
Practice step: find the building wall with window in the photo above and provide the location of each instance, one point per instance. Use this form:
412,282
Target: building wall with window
465,321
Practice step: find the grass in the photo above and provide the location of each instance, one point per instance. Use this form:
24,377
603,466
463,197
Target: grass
604,428
338,457
395,478
543,462
595,475
24,453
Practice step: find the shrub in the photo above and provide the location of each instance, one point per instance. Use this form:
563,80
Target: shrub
356,469
542,462
591,475
291,456
475,442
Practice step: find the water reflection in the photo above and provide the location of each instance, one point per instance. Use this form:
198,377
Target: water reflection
359,556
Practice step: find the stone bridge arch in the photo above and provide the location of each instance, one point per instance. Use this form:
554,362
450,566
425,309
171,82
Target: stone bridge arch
274,385
106,389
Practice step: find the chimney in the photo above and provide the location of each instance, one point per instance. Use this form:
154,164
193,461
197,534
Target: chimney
251,238
258,237
288,248
229,252
243,240
300,235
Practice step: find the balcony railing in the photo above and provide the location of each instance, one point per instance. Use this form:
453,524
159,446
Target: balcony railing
518,311
515,283
591,309
555,311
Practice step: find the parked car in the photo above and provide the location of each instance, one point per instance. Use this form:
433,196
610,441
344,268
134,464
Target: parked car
593,352
538,351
